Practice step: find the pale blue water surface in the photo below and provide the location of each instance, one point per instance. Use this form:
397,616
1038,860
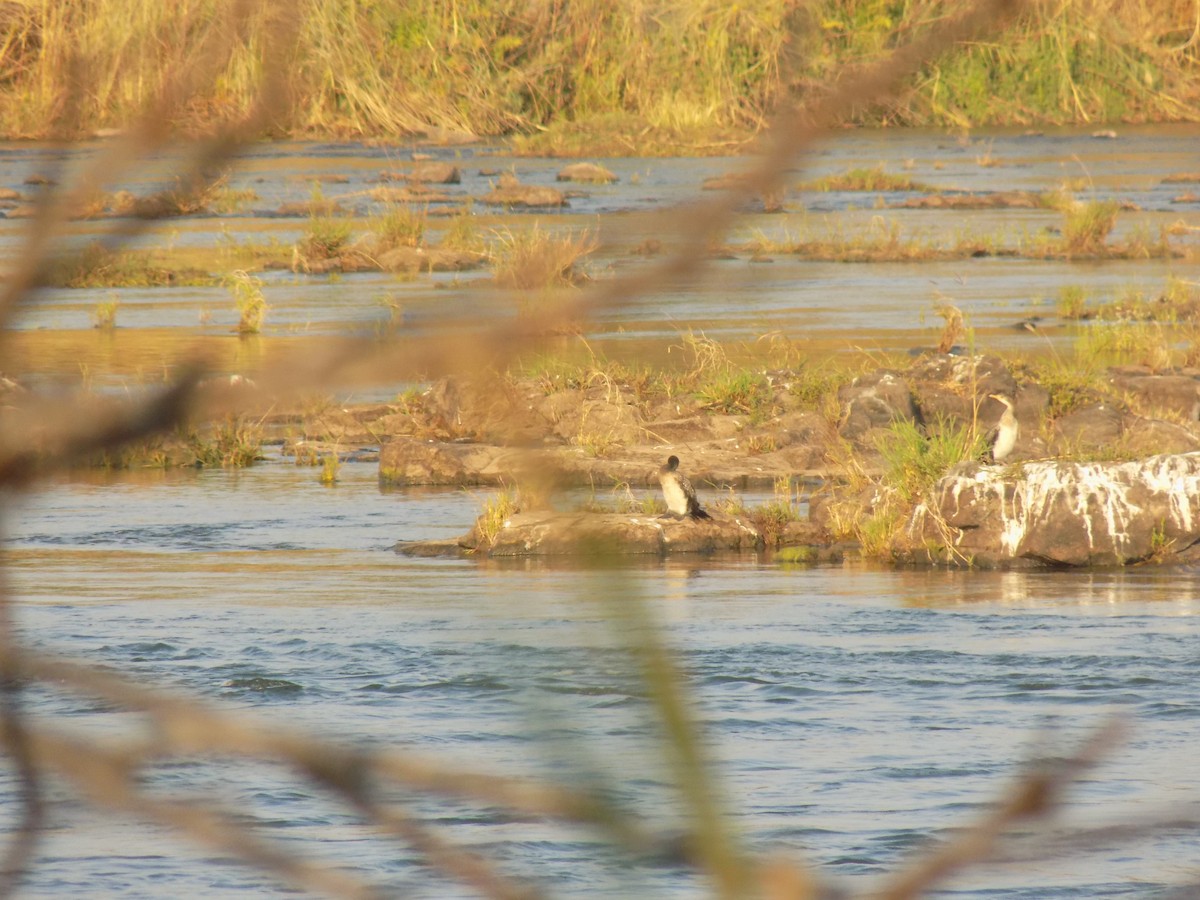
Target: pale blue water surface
853,713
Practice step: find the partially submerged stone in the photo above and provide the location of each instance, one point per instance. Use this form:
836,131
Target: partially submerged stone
524,195
561,534
586,173
1064,513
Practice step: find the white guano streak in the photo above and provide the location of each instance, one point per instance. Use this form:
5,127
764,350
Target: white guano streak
1088,487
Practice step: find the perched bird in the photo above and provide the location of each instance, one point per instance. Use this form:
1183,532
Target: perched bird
678,492
1003,437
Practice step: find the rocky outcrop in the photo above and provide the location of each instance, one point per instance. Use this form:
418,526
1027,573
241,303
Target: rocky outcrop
1064,514
413,461
428,259
510,192
586,173
875,400
554,534
1177,394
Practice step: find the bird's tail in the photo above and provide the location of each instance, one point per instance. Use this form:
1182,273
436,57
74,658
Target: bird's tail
698,513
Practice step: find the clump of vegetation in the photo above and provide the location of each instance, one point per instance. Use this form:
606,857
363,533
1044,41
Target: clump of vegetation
231,443
536,259
95,266
772,518
187,198
1070,383
1072,302
463,233
497,509
1087,225
104,316
730,390
915,459
399,226
1118,343
878,241
622,499
331,466
954,329
815,387
325,238
1178,302
224,199
249,300
876,180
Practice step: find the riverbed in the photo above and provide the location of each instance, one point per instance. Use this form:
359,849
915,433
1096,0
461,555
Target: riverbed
852,713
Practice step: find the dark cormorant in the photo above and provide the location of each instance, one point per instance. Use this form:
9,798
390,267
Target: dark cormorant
678,492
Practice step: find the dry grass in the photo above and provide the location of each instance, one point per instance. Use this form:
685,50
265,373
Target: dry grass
538,259
589,77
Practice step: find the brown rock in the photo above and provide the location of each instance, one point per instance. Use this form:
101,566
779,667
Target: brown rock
587,173
556,534
1178,394
994,200
1093,426
435,173
875,400
423,259
409,461
524,195
1145,437
1067,514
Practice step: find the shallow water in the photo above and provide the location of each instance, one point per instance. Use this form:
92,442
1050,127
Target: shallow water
830,307
853,713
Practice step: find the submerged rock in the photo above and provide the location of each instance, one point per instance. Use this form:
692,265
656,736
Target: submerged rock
1064,513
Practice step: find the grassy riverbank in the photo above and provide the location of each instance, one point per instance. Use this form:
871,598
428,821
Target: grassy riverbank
590,76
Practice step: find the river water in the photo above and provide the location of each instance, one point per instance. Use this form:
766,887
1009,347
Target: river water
852,714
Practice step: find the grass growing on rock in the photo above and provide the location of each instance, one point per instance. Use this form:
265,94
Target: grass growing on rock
249,300
104,316
497,509
877,241
916,458
398,226
871,180
1087,225
230,443
324,238
537,258
95,266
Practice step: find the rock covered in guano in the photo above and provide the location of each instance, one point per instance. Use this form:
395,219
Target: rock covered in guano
1064,513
